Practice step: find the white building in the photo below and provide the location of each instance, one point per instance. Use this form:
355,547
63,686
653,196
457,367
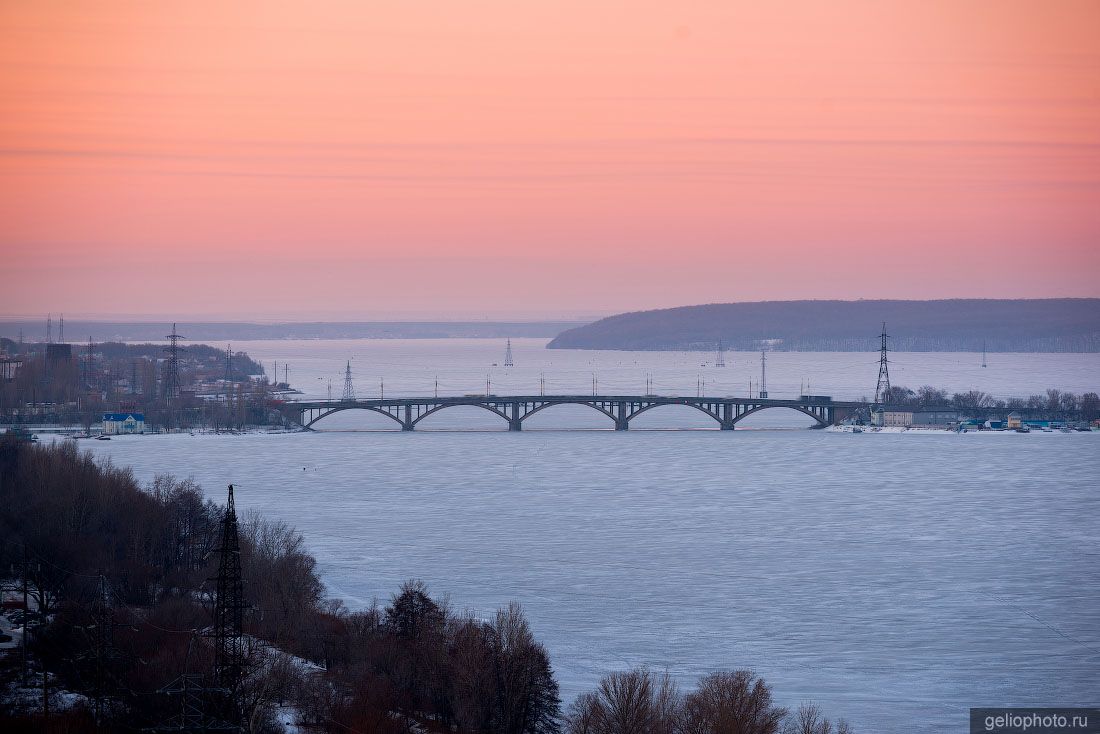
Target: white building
116,423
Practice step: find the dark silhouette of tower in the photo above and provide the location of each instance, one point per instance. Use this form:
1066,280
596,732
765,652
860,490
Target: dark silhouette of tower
720,359
228,362
89,364
349,386
172,368
508,355
229,605
983,354
882,387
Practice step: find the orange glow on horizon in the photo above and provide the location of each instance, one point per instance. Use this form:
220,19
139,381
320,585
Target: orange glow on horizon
498,157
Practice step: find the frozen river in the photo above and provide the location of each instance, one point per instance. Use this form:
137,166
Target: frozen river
896,579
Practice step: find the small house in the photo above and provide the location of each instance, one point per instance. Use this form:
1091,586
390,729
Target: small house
1013,421
120,423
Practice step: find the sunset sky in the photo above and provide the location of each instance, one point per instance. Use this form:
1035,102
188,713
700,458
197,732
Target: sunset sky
455,159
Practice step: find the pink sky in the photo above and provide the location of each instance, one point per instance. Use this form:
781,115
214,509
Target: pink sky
372,159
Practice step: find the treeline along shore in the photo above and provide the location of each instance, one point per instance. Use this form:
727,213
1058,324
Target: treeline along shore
118,632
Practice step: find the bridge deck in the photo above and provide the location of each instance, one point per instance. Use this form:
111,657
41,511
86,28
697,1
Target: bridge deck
727,411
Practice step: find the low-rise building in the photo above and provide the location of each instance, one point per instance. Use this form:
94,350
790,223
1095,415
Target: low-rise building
1013,421
897,418
9,368
119,423
940,417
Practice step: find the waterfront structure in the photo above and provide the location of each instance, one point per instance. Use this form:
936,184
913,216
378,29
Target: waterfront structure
907,417
896,418
620,409
1013,421
123,423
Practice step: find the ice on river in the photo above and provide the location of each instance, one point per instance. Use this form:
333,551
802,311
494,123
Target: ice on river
895,579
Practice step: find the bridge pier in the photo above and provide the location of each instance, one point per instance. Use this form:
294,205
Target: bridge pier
727,425
622,423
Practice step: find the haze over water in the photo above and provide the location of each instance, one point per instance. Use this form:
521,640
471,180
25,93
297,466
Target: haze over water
895,579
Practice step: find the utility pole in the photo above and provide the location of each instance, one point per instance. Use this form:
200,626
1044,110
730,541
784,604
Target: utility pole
25,569
61,329
436,393
104,625
882,387
49,328
763,374
542,384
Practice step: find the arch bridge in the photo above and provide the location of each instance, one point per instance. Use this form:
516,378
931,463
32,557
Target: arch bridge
620,409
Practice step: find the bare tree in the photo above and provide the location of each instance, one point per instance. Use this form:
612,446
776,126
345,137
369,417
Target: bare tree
631,702
528,700
731,703
808,719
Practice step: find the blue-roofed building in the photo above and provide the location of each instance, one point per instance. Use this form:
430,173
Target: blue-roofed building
117,423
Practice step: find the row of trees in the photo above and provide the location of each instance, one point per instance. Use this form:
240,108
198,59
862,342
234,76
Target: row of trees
1054,403
118,577
738,702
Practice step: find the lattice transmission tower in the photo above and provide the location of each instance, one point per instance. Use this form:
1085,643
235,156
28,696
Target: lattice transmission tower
349,386
172,368
720,358
762,391
229,606
882,387
508,355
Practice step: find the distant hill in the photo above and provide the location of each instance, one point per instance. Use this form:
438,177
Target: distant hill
1047,325
130,331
